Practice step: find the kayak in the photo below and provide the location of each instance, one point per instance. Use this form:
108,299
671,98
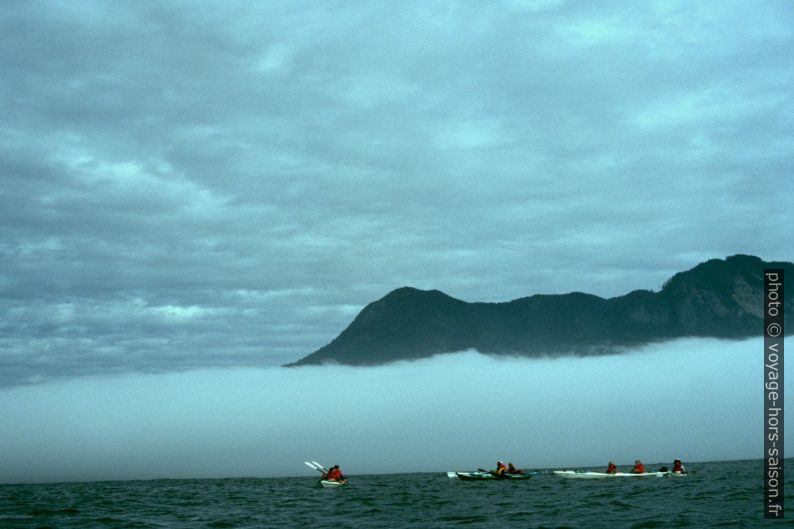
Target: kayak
602,475
472,476
327,483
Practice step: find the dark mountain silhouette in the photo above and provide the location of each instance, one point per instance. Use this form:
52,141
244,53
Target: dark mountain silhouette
718,298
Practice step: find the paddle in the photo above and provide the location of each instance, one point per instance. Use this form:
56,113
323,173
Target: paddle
316,466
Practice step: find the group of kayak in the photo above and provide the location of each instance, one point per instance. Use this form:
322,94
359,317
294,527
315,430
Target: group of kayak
510,472
333,476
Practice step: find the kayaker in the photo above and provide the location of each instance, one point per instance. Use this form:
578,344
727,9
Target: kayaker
678,467
500,469
334,474
639,468
612,468
511,469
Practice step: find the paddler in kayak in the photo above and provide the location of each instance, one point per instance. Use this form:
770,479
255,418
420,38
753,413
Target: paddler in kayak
639,468
500,471
612,468
334,474
678,467
511,469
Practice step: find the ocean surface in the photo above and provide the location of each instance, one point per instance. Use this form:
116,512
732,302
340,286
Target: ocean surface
728,494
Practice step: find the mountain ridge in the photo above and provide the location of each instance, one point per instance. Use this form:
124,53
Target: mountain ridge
717,298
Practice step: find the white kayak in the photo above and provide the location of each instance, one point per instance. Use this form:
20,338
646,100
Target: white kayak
325,483
328,483
603,475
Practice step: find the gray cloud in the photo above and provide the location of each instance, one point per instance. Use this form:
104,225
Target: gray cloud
186,186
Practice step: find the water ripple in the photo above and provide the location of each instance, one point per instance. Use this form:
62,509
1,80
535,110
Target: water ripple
714,495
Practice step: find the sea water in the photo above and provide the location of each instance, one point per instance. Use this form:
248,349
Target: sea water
715,494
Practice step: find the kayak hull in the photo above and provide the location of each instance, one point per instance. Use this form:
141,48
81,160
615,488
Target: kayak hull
330,484
571,474
480,476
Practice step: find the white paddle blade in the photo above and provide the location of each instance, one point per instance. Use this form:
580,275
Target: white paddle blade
312,466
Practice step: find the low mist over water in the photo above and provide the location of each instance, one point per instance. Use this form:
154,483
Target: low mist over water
696,399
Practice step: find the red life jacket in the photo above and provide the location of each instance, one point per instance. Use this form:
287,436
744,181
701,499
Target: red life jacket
639,468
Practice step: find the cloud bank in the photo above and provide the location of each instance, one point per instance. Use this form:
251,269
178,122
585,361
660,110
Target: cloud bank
452,412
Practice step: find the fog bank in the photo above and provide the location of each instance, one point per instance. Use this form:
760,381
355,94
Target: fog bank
693,399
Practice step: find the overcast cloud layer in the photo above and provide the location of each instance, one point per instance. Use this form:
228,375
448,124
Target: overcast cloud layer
187,185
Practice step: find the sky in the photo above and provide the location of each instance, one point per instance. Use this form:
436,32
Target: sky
224,185
188,185
452,412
